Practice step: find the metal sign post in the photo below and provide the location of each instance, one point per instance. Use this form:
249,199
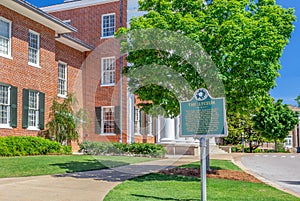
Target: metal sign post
203,117
203,168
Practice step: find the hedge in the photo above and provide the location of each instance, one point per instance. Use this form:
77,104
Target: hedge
24,145
137,149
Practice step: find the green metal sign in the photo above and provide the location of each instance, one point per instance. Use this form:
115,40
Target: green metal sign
203,116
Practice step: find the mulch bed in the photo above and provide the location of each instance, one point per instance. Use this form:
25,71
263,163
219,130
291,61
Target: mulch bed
220,174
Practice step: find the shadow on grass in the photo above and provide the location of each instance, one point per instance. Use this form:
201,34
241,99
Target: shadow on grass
164,177
160,198
88,165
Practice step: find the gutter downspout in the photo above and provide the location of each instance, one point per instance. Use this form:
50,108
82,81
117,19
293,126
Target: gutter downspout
121,72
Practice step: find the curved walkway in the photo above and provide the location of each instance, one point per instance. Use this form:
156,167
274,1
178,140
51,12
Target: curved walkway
94,185
82,186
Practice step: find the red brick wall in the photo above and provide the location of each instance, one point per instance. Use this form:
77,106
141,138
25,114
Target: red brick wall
88,22
17,72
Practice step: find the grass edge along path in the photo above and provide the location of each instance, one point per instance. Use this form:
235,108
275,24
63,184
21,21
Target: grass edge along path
60,164
156,186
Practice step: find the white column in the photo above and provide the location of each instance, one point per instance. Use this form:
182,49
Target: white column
130,119
169,131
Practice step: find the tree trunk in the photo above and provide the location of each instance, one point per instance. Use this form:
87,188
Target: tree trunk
276,148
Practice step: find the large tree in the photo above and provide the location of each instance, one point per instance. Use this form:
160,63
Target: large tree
275,120
244,39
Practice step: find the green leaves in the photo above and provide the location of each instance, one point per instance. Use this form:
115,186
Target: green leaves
243,39
64,121
275,120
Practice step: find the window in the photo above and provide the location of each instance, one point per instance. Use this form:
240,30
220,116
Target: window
33,48
33,109
288,141
108,25
8,106
108,120
108,71
5,37
137,121
4,105
62,79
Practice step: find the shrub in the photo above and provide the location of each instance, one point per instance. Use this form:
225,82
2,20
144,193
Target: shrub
141,149
23,146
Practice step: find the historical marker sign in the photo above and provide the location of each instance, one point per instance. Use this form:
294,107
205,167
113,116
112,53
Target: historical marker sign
203,116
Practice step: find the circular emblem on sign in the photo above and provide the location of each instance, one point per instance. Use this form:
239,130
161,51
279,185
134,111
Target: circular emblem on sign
201,94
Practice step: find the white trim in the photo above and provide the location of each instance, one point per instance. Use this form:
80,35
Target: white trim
108,14
74,5
102,71
36,110
102,119
38,49
8,56
7,124
66,79
67,21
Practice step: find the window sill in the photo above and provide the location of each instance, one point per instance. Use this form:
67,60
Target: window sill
108,134
34,65
61,96
5,127
105,37
33,129
108,85
137,134
6,56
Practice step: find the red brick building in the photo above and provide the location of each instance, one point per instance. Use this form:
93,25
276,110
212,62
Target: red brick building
38,63
67,48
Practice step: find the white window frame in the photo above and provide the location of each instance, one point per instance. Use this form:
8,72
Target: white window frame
288,141
109,27
137,121
65,65
36,111
8,55
103,120
104,72
37,64
6,125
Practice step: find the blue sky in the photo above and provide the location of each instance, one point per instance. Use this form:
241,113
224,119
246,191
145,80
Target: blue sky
288,84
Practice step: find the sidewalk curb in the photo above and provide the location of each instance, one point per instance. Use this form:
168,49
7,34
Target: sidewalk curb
237,161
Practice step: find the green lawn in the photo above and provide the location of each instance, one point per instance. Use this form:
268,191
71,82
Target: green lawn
216,165
180,188
45,165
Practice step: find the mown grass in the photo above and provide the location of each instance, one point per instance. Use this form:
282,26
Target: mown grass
46,165
216,165
181,188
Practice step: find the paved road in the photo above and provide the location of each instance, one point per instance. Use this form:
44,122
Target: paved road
281,169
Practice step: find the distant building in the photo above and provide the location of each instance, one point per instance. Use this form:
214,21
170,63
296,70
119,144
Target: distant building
293,139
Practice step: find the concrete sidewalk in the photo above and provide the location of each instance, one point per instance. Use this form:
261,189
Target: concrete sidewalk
82,186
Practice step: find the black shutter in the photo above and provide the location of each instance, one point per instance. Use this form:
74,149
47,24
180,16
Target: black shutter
13,106
41,110
25,108
98,120
117,120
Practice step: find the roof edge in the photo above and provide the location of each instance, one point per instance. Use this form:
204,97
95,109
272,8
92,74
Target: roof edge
45,15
